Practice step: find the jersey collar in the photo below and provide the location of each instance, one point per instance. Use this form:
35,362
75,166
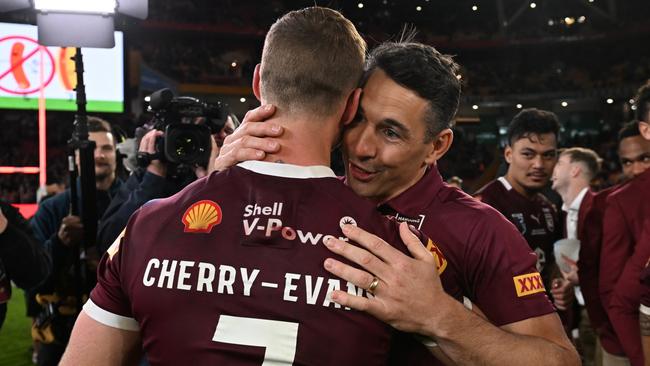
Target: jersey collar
419,196
287,170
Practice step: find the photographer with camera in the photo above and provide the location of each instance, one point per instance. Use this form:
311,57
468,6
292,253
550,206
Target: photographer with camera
170,156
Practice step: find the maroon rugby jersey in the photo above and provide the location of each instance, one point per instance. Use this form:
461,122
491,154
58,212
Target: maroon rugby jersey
230,272
482,253
536,219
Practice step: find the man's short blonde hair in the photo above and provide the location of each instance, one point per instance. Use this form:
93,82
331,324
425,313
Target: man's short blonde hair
312,59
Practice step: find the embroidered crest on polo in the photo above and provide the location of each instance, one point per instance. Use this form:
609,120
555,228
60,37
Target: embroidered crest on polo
347,220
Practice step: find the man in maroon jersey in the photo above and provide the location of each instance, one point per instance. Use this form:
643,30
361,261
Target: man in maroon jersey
403,127
229,270
623,254
531,154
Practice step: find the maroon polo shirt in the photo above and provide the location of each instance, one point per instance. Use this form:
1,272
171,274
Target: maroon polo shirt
229,271
536,218
590,234
626,210
486,254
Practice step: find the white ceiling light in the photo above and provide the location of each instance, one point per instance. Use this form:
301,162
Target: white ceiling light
77,6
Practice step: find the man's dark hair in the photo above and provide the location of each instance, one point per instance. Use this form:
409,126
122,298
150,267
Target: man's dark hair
530,122
425,71
96,124
629,129
642,103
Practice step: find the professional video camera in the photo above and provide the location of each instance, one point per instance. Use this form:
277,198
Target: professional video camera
188,124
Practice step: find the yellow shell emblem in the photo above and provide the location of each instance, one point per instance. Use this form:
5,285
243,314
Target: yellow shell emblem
202,216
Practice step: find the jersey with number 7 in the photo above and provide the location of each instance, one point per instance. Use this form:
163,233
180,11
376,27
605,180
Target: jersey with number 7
230,272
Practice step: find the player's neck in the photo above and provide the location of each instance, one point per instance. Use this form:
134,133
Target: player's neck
527,193
303,142
573,191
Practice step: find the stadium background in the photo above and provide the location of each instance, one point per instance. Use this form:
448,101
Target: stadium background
582,59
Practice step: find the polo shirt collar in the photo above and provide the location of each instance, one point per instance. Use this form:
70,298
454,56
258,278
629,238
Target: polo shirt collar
419,196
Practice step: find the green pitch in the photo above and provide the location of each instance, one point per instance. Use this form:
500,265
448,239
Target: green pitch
15,339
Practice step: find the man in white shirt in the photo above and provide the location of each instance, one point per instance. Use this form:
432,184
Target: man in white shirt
575,169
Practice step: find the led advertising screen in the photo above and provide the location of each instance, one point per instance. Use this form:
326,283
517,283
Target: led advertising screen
28,70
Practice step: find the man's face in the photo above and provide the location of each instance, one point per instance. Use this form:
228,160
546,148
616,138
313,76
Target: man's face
227,130
384,148
634,155
531,160
105,160
562,173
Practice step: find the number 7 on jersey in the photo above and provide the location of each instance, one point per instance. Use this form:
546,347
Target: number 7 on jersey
278,337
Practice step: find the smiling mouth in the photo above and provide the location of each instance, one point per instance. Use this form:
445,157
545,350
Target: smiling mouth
361,174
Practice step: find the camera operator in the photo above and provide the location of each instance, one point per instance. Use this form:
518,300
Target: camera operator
151,182
58,232
22,260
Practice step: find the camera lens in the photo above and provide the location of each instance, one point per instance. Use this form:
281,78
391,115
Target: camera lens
185,145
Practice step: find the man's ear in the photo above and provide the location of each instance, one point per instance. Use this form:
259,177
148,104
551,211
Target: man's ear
256,83
351,107
575,170
507,154
644,129
439,146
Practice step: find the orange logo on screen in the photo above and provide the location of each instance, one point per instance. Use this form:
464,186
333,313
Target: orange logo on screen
441,262
201,217
528,284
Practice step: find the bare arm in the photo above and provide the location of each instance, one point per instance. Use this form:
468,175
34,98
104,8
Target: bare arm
96,344
408,288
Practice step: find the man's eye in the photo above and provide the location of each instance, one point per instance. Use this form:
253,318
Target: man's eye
527,155
645,159
391,133
626,163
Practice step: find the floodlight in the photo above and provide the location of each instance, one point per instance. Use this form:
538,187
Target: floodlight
78,23
76,6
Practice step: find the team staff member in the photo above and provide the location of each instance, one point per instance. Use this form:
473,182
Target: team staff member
631,148
403,127
57,231
22,259
623,253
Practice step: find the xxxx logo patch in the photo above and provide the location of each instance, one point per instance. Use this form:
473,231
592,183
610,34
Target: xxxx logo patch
441,262
528,284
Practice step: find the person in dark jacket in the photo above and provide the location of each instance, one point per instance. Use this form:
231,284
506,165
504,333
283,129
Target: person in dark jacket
22,259
58,231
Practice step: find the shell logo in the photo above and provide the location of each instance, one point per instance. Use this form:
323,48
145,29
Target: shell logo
441,262
201,217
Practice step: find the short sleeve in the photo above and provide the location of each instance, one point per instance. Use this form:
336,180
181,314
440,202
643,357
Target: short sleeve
502,269
109,303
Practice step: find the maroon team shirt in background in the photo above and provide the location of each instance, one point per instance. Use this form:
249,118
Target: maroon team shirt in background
230,272
535,218
487,256
627,209
478,248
